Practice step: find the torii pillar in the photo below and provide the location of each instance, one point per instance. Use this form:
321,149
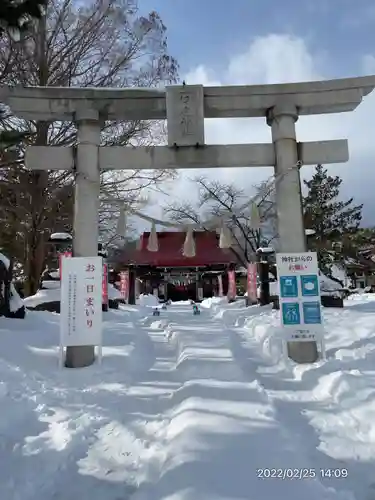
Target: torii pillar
185,107
291,228
86,209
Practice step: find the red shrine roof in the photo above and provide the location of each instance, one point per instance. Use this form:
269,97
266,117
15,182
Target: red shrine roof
171,244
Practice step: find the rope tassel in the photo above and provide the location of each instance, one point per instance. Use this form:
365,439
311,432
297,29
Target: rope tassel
121,224
153,244
226,240
139,245
255,216
189,244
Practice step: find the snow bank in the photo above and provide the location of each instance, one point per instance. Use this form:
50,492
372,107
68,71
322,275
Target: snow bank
148,300
42,297
189,407
15,301
333,399
51,292
228,309
265,330
213,414
113,293
181,303
51,284
213,301
55,274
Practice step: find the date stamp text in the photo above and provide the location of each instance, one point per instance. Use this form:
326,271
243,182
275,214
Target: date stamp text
301,473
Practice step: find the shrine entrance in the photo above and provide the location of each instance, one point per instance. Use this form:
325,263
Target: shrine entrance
169,274
180,286
185,107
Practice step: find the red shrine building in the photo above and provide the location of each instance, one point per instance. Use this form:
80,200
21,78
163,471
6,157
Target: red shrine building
172,275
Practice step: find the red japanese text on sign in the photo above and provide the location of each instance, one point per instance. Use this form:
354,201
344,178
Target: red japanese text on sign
297,267
90,302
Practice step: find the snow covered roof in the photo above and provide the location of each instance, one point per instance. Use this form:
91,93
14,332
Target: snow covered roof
61,236
170,254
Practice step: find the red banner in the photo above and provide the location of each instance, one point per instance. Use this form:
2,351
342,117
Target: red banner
61,257
252,282
105,285
231,285
124,285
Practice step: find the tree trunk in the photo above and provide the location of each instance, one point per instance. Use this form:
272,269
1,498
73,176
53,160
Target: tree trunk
35,263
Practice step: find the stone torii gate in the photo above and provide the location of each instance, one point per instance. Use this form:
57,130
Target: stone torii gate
185,108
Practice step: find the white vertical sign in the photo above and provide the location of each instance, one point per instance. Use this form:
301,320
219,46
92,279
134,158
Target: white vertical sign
299,296
81,302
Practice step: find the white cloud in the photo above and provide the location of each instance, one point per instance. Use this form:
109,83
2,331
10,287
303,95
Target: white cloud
368,64
281,59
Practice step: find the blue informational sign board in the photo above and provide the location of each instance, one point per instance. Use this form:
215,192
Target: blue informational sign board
291,313
310,285
312,313
299,295
288,286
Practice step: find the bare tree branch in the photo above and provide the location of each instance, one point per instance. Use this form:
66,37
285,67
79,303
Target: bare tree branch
92,44
226,201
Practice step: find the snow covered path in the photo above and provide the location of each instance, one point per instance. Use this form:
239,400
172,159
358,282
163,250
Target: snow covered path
177,411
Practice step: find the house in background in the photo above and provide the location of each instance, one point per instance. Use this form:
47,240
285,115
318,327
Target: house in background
356,272
362,269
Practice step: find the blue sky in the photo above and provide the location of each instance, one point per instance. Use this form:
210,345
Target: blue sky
210,31
272,41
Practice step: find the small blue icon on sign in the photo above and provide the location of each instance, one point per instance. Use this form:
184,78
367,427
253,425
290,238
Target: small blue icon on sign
312,313
310,285
291,314
288,286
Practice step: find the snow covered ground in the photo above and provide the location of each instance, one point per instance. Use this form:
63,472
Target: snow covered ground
189,407
51,292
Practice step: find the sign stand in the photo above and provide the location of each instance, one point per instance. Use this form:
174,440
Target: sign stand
323,349
299,297
81,304
61,356
100,354
285,349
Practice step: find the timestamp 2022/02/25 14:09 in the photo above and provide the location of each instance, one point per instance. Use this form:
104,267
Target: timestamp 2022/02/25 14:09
301,473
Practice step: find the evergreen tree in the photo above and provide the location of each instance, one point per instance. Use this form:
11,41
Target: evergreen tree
15,14
334,221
